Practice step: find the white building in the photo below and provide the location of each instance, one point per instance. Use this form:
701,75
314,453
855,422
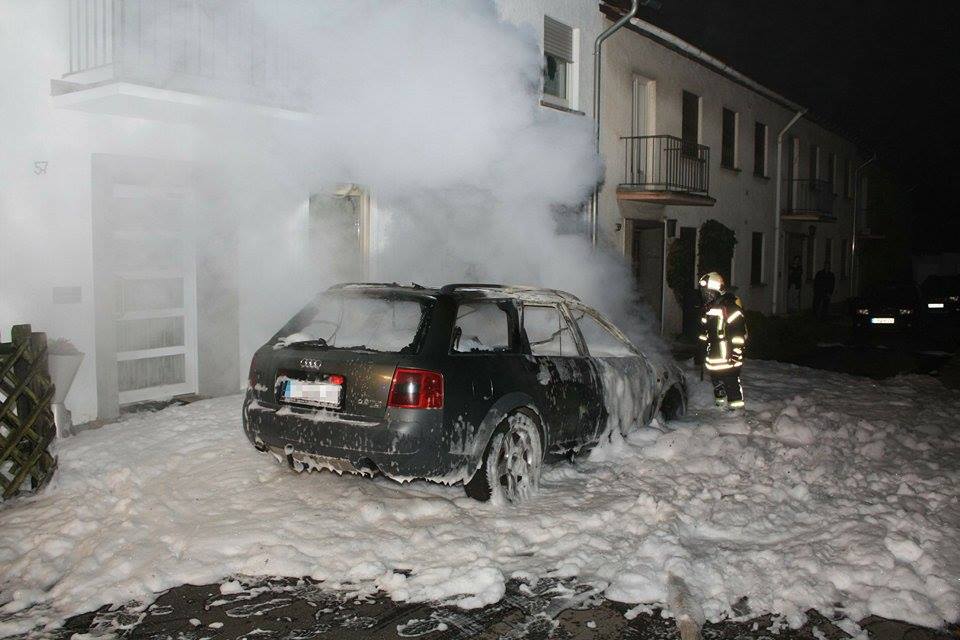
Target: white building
687,139
126,272
109,240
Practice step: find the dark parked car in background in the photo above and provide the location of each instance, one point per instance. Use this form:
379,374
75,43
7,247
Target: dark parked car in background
893,307
466,383
941,297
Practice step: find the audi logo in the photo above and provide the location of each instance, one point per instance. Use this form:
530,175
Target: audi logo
310,363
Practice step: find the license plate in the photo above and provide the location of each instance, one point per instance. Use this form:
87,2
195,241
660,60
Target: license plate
317,394
882,320
935,305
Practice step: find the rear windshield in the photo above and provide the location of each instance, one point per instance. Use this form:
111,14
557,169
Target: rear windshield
363,322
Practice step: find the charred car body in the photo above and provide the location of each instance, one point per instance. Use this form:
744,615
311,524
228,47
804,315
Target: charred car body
471,383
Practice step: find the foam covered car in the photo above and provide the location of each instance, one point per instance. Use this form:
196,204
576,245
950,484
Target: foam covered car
476,384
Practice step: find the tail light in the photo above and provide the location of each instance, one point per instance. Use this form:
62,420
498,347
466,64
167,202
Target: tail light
416,389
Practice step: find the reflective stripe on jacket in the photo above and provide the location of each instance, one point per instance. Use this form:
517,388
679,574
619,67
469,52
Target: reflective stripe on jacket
724,330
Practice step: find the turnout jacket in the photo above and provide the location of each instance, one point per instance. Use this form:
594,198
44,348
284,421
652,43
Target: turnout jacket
724,329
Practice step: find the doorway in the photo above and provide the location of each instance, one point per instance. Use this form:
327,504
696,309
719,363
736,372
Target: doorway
339,227
646,260
690,295
793,256
144,280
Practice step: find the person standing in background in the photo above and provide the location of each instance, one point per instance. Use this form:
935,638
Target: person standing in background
823,285
794,282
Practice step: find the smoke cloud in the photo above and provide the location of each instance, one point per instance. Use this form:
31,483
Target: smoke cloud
434,107
430,107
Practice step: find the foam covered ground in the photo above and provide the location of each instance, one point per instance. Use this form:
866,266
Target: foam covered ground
831,492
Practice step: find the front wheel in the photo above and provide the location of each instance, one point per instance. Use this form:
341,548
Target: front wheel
512,461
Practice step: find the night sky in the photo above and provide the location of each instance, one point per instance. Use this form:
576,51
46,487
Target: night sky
886,72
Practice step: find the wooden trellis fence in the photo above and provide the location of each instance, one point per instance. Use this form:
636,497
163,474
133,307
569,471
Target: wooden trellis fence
26,420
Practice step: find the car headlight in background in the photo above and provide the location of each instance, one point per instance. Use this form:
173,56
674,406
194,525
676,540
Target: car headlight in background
863,312
906,312
954,299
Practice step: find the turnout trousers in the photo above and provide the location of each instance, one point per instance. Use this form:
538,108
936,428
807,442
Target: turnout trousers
727,387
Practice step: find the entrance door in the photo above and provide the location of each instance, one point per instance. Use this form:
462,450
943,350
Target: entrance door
145,281
793,257
690,295
339,228
646,257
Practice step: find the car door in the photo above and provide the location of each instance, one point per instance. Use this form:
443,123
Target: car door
626,378
562,371
485,351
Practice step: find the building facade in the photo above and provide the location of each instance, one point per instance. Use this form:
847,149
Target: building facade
166,295
686,139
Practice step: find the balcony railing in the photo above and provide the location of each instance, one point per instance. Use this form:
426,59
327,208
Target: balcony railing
666,163
228,49
809,199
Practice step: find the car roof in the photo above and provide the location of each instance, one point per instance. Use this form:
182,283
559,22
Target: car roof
463,290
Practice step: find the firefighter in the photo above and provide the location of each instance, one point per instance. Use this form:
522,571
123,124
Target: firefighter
724,330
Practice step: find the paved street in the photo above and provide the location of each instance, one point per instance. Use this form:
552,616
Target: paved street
292,609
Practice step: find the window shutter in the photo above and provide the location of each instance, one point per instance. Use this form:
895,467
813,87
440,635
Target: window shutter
557,39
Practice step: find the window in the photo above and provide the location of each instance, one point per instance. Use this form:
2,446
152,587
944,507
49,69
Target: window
828,251
482,327
760,149
844,257
848,188
832,174
601,341
344,321
814,162
558,53
728,147
811,257
756,258
690,123
548,332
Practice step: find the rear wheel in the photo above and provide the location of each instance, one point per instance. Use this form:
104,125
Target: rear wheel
512,462
673,405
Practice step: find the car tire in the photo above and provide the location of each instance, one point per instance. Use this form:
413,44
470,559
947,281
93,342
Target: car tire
674,404
512,463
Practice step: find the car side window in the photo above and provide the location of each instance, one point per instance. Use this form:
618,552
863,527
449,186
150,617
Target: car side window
601,342
548,332
482,327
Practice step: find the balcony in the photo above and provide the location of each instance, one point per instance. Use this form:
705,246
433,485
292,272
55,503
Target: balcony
809,200
174,61
665,170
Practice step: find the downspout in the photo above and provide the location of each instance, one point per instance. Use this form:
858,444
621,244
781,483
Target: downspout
776,211
856,214
597,48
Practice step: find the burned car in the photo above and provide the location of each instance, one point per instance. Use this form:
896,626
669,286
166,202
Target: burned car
478,384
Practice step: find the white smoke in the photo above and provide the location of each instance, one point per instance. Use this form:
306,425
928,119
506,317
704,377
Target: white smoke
433,106
430,106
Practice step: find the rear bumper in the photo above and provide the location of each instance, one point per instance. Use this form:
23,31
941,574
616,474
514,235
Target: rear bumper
407,444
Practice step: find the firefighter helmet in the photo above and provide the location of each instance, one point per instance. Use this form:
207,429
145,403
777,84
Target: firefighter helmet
711,286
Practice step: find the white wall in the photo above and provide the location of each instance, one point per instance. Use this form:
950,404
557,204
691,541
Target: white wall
579,15
45,220
744,202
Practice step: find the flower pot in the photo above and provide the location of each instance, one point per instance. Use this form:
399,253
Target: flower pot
63,369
